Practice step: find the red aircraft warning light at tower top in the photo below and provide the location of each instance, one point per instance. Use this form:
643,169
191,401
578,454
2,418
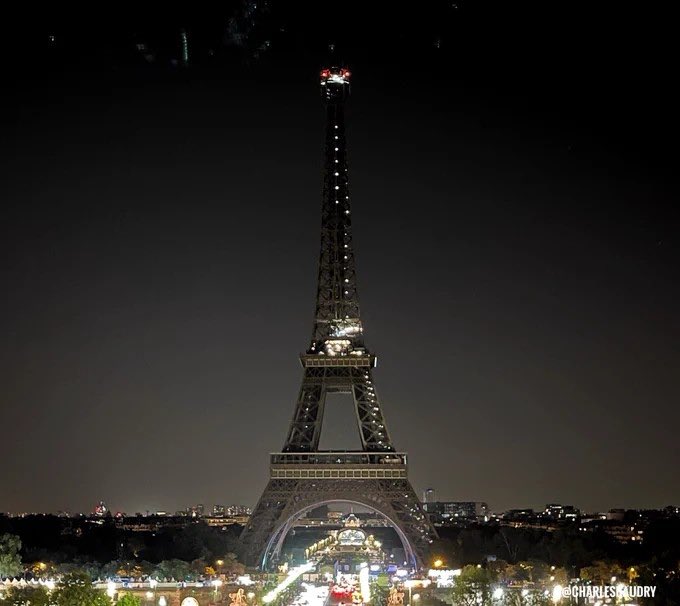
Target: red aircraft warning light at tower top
334,83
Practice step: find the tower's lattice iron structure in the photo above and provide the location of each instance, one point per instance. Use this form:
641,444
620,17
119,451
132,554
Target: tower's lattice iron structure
337,361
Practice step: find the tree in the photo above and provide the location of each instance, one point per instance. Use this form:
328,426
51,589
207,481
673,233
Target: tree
25,596
128,568
229,564
129,600
602,573
172,569
501,569
527,597
42,570
471,588
77,588
512,541
10,560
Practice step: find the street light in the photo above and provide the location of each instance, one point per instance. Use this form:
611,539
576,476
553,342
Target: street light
152,583
438,563
409,584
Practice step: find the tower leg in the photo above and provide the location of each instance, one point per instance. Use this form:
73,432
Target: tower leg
284,501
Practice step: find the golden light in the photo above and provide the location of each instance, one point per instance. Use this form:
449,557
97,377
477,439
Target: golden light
220,562
438,563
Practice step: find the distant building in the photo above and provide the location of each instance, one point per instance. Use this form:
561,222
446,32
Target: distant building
218,510
624,533
519,514
443,511
196,511
614,514
556,511
223,521
672,511
429,495
152,523
238,510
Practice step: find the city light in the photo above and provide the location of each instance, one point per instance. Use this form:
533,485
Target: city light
364,584
498,593
312,595
293,575
443,577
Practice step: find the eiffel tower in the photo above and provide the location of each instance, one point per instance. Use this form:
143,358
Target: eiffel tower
303,477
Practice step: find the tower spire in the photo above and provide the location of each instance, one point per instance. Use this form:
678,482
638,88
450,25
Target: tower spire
337,323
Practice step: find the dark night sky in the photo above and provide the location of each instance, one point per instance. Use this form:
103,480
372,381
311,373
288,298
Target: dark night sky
516,228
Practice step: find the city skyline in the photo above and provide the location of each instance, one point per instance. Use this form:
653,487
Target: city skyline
516,256
244,509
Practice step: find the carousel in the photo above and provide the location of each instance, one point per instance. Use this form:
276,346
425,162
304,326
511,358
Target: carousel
349,546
